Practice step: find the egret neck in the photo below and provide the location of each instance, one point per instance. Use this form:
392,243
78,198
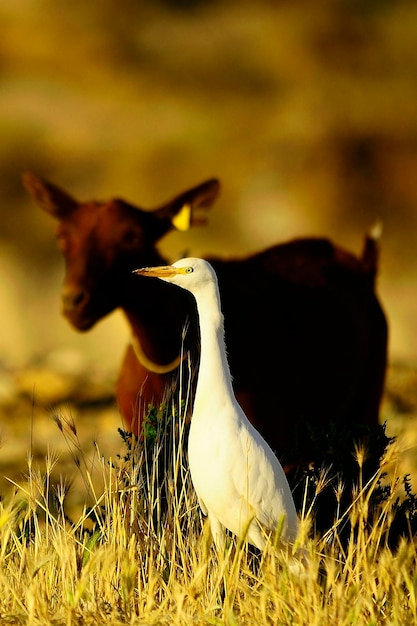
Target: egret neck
214,372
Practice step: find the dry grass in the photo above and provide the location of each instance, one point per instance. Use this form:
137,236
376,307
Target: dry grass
142,554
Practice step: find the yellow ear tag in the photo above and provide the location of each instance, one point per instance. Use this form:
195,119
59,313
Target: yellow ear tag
182,220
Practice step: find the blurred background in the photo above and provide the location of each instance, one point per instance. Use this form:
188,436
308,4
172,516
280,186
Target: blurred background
305,111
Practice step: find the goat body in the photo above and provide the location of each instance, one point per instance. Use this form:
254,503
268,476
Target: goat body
306,335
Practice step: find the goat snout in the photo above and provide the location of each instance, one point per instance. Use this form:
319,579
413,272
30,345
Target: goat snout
72,299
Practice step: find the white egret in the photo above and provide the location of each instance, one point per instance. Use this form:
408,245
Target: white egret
239,481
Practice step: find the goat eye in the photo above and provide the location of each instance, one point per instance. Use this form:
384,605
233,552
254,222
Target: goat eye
132,239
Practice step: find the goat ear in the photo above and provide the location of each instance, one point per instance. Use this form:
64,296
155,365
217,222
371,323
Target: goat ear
189,208
50,198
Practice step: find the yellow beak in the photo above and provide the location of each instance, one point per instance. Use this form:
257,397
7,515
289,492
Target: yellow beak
162,271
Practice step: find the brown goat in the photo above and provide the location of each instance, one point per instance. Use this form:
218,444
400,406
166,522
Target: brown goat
306,336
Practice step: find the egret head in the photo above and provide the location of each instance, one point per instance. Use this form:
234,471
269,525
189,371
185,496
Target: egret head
190,273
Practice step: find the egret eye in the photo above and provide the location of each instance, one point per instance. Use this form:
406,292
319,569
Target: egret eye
189,270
